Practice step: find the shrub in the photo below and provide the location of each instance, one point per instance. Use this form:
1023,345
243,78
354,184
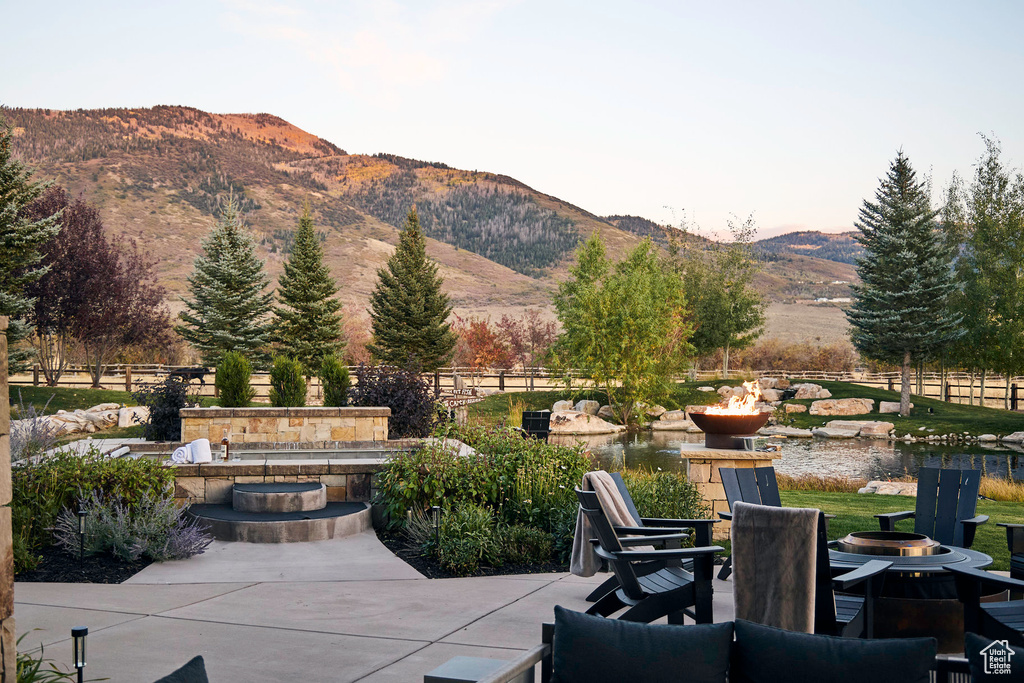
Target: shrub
404,391
664,494
32,435
42,489
165,400
468,538
335,381
155,527
287,383
525,545
232,381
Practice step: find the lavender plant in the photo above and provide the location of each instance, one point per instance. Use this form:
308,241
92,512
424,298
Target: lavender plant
32,434
155,527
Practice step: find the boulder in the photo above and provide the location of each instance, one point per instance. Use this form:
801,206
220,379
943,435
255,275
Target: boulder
771,395
796,408
854,425
782,383
806,390
127,417
828,433
777,430
890,406
575,422
705,388
767,383
1016,437
655,411
588,407
673,415
987,438
891,488
672,425
103,407
606,413
876,430
727,392
561,405
842,406
824,393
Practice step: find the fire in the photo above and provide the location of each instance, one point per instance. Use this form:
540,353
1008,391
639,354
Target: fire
740,406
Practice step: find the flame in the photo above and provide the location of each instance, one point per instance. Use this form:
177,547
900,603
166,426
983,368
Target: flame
740,406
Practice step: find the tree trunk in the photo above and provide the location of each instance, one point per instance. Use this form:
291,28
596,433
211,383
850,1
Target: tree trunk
970,397
725,362
905,386
1006,393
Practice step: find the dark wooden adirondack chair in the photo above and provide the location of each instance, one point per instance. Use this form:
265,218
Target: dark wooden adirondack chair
837,613
995,620
653,526
946,503
755,485
669,591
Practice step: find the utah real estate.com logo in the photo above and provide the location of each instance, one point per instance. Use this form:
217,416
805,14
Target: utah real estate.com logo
997,656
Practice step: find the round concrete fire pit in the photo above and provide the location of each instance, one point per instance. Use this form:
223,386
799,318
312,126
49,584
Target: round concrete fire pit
728,431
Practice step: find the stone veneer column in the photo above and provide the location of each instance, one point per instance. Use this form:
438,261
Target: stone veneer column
8,656
702,469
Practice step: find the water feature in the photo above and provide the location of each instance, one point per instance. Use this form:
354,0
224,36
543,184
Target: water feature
853,458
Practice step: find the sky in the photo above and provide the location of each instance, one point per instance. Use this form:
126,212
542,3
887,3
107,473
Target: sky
676,111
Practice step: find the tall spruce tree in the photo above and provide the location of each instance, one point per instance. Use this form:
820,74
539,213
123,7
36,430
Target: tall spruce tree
308,322
901,312
21,238
408,310
228,309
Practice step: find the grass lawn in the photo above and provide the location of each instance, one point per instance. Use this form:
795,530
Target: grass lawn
67,398
945,418
855,512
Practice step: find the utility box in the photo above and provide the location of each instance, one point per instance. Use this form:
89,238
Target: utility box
537,423
471,670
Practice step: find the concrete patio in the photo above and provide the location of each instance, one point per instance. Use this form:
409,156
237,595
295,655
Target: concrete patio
340,610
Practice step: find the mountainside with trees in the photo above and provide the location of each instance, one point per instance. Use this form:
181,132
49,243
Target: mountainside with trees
839,247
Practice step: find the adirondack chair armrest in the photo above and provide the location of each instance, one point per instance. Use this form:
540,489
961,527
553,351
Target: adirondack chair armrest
702,527
648,531
866,571
651,540
888,520
970,527
727,516
987,578
645,555
1014,537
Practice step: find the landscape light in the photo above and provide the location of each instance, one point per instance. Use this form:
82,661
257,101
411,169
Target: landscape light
435,515
82,514
78,634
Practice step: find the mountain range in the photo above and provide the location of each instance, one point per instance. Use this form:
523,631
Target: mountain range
160,174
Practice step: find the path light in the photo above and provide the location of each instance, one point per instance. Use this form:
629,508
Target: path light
82,514
435,515
78,634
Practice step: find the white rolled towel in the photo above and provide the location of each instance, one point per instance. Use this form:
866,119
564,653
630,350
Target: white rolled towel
201,450
181,455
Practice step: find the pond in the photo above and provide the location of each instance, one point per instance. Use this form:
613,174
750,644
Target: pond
852,458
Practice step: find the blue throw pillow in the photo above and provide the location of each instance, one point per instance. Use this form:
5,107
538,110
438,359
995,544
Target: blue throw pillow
764,654
193,672
590,649
993,660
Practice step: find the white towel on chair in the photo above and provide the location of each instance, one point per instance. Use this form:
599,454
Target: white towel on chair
181,455
200,450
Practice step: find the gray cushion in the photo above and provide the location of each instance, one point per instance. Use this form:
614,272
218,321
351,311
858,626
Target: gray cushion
193,672
978,649
763,654
590,649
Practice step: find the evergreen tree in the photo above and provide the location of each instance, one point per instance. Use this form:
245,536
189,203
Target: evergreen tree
308,322
408,311
901,311
228,309
21,237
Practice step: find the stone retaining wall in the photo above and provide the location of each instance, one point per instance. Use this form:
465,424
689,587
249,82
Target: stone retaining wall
346,480
260,425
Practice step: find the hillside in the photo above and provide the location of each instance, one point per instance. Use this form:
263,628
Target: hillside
839,247
159,175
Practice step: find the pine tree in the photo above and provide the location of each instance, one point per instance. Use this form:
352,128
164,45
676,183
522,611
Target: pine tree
308,322
408,310
21,238
901,312
228,309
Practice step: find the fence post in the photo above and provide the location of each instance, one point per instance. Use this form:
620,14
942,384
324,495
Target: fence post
890,384
437,382
946,397
531,379
1013,396
35,375
501,381
127,378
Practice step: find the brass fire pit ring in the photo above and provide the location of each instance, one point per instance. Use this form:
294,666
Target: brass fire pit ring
889,543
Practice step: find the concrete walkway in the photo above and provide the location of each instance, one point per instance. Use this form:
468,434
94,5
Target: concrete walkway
341,610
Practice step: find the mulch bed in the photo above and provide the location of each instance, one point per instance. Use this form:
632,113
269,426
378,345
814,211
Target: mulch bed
432,569
58,566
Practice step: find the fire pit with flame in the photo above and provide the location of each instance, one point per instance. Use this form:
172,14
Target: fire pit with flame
732,426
